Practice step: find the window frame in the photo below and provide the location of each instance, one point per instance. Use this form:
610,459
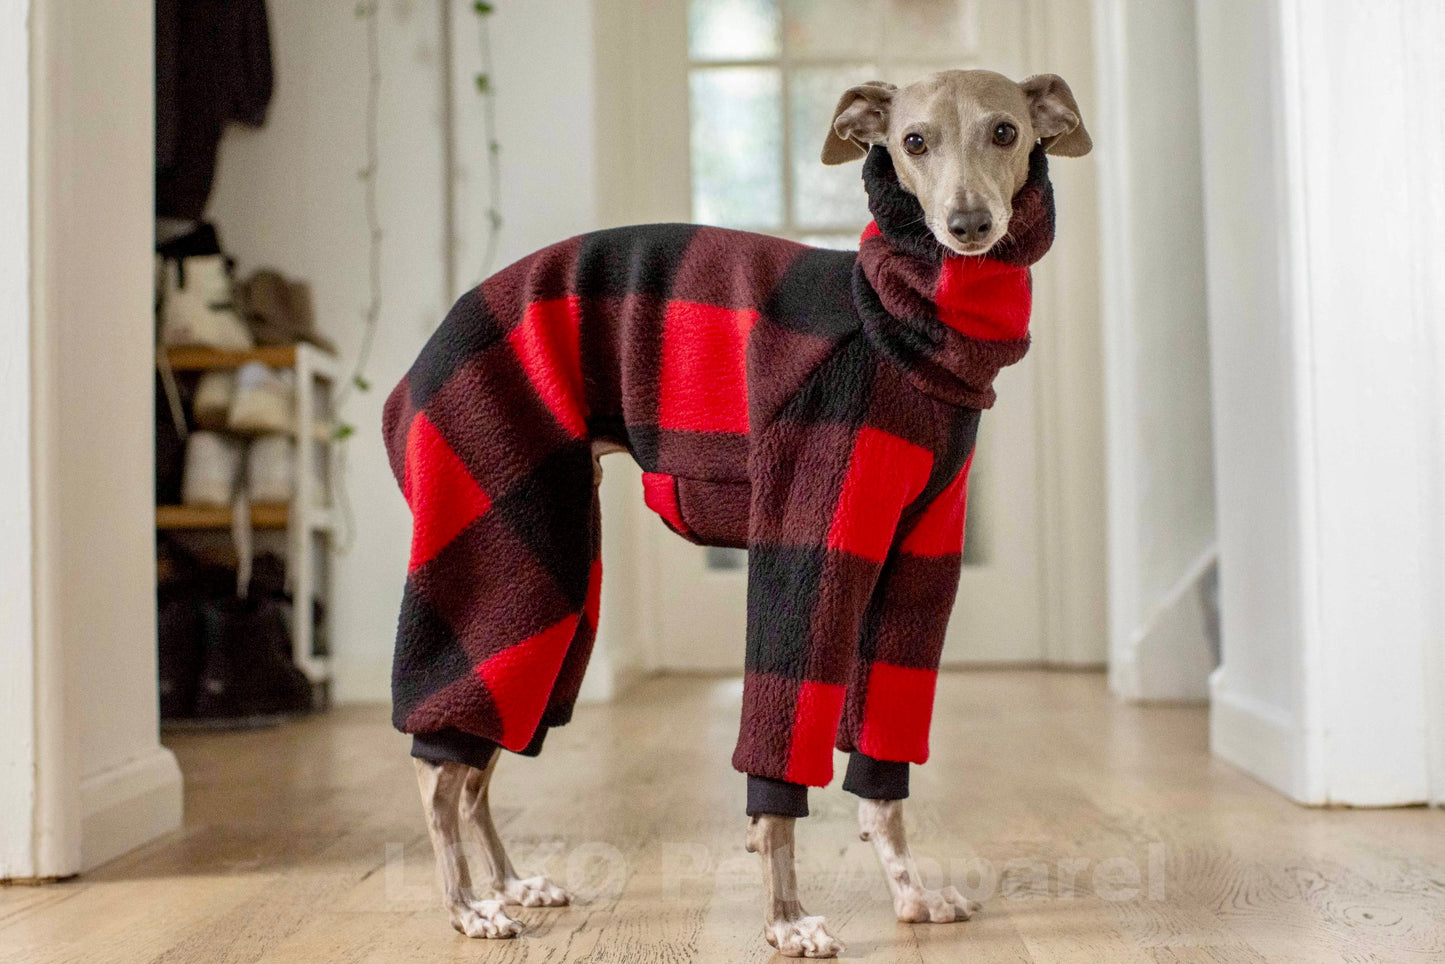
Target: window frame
786,63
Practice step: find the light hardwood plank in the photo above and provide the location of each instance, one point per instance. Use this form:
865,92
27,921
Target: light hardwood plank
1094,831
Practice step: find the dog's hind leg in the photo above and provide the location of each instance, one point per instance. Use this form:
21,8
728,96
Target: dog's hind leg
789,928
441,791
881,821
502,883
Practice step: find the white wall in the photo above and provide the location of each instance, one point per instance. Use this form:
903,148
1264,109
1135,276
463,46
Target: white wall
288,195
1328,364
1161,512
103,782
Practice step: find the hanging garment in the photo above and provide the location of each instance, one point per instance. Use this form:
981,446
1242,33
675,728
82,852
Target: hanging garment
213,66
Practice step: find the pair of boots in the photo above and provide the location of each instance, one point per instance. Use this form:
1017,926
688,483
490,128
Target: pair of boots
201,305
253,401
217,466
222,657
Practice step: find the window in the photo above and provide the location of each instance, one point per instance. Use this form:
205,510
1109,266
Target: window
764,78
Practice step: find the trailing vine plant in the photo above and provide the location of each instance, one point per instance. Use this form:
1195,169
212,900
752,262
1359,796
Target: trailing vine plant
371,314
487,91
368,11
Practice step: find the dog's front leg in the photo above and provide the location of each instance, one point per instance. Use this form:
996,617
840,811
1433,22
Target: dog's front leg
502,883
786,925
881,821
441,789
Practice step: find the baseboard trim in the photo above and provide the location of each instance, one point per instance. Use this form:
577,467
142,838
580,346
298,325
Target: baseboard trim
1169,658
1257,738
129,805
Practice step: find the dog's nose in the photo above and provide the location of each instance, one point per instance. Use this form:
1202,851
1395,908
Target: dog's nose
969,226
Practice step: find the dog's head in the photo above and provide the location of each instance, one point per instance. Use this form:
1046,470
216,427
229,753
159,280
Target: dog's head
960,142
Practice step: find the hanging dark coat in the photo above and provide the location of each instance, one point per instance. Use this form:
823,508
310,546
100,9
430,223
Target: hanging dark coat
213,67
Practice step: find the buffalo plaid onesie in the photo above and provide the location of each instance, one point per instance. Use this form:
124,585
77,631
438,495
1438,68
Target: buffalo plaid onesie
818,408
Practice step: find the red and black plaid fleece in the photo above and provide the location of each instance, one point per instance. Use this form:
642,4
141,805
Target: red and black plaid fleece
816,407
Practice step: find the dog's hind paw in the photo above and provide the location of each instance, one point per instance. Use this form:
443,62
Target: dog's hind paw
484,918
532,892
803,937
920,906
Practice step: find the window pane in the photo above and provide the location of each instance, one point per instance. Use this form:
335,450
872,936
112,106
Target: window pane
737,147
832,28
823,196
920,29
732,29
841,242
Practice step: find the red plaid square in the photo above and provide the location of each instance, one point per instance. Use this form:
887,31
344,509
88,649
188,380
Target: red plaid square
885,473
443,496
704,386
897,713
548,344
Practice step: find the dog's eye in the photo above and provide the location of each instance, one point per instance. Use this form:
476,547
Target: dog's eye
1005,134
913,144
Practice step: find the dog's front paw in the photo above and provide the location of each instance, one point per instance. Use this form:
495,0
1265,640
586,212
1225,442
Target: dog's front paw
484,918
533,892
803,937
920,906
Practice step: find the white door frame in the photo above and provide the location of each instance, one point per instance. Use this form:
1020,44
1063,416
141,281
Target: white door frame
85,777
1329,362
641,181
17,614
1069,374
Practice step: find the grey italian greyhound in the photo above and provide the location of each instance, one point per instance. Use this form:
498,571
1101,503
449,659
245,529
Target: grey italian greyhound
961,142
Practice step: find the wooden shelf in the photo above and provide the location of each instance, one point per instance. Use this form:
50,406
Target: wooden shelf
201,359
265,516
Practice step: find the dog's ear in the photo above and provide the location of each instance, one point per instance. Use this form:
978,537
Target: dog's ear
1055,116
859,120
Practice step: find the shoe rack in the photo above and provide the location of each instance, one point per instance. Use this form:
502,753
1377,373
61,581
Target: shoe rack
309,519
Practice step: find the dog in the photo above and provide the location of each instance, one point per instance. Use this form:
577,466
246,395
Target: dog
818,408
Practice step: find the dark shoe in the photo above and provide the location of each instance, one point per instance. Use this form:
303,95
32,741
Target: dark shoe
179,657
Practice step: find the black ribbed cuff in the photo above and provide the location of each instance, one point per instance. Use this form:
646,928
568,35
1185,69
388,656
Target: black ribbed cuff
778,797
455,746
876,779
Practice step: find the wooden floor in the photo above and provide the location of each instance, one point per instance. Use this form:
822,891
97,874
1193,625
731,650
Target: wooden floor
1096,832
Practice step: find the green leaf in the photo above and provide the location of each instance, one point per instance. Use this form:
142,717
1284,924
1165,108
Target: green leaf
361,383
482,8
484,84
343,432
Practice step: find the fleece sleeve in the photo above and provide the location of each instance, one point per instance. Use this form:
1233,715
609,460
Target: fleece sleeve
891,686
827,497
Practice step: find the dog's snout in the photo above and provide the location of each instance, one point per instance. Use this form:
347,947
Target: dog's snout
970,226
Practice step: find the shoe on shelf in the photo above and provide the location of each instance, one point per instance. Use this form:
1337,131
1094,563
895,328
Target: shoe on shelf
212,464
197,307
279,310
215,392
265,400
179,656
271,468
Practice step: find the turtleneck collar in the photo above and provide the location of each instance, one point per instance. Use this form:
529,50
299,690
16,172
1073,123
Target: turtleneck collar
949,321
